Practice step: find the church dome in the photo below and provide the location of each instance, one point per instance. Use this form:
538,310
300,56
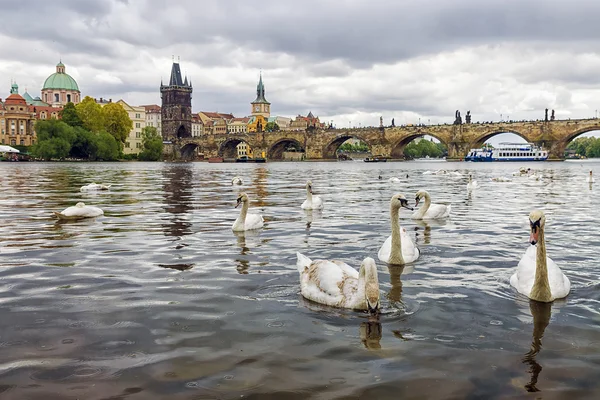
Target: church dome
60,80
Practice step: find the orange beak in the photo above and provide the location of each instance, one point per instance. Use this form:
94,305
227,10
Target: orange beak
533,237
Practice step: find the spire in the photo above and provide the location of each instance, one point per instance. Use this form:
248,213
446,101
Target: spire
185,82
260,91
175,75
14,88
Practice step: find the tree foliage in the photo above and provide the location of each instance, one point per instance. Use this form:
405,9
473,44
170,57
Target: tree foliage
586,146
90,114
424,148
272,127
152,144
117,121
359,147
69,115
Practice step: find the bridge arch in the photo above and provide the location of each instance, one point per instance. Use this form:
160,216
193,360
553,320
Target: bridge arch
189,151
398,147
276,150
228,149
574,135
329,151
479,141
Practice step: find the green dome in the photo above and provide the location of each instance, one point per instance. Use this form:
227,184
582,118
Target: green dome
60,80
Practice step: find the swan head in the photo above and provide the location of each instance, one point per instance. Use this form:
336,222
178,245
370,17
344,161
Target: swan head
590,172
419,195
368,270
242,198
537,220
236,180
309,186
80,204
398,200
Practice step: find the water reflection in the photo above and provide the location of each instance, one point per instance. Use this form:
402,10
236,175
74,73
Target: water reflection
541,313
395,293
259,184
370,333
311,216
178,199
426,225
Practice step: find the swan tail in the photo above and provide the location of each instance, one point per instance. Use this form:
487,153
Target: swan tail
58,215
303,262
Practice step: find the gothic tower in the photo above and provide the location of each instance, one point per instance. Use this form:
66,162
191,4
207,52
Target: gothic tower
261,106
176,110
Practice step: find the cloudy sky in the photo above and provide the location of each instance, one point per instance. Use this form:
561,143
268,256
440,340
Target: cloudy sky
349,61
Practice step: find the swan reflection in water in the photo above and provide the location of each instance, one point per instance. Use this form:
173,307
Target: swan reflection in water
541,313
370,333
312,215
242,262
426,225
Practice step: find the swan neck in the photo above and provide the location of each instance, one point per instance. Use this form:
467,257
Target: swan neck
427,203
396,245
243,213
308,195
359,296
541,285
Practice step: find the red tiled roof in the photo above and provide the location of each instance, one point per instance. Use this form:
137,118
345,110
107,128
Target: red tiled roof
15,99
215,115
152,108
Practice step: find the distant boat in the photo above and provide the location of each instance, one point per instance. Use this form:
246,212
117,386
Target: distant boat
376,159
430,159
215,159
246,159
509,152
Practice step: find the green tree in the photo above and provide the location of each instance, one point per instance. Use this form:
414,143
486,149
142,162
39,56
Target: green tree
69,115
85,144
117,121
152,143
54,139
272,127
424,148
108,148
90,114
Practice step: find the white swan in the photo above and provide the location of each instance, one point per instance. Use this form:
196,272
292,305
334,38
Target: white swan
311,202
246,222
94,186
394,180
79,211
398,248
535,176
501,179
590,179
337,284
537,276
429,211
472,184
236,180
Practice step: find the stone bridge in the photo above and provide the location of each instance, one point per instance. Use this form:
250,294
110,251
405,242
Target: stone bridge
389,141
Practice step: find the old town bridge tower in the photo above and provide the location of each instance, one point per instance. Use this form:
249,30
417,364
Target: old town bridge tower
176,110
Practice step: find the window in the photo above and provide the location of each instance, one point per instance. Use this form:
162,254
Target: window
22,142
13,142
138,134
137,124
137,116
127,145
68,98
138,145
46,97
56,98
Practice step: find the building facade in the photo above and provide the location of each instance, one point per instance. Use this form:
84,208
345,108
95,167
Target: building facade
60,88
134,141
16,120
153,117
238,125
176,109
197,126
257,123
260,106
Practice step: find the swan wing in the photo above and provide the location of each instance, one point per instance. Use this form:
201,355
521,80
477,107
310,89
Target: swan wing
559,283
410,252
322,281
436,211
523,278
254,221
385,250
317,203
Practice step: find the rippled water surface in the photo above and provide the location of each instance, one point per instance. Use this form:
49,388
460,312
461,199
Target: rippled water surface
160,299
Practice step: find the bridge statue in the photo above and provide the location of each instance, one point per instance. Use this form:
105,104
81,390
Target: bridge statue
381,122
468,117
393,124
457,118
552,116
546,117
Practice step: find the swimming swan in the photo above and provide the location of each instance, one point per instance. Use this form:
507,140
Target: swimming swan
472,184
429,211
79,211
94,186
537,276
590,179
246,222
236,180
311,202
337,284
398,248
394,180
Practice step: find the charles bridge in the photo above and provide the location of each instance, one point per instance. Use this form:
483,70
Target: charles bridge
319,144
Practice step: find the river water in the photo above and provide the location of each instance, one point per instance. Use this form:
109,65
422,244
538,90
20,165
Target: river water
160,299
